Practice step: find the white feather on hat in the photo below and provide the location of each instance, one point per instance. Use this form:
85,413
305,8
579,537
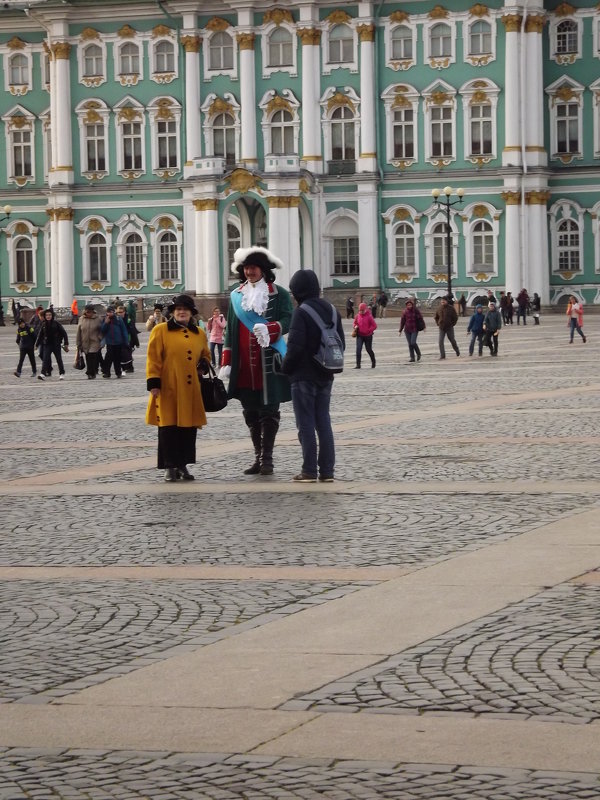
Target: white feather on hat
242,254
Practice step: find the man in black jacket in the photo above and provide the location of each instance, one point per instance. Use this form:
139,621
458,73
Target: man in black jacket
311,384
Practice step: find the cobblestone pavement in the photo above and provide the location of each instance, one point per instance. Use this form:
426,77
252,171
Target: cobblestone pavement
528,420
81,775
537,658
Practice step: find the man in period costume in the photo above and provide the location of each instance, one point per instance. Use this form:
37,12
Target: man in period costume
259,315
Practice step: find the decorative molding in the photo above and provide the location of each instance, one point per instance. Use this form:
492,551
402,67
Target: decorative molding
162,30
16,44
129,114
537,197
191,44
535,23
61,50
479,10
366,33
166,284
89,34
165,109
512,22
206,204
565,10
338,17
338,100
94,225
24,288
283,202
219,106
132,285
246,41
217,24
309,36
126,32
277,16
303,186
242,181
402,214
277,103
439,12
480,211
399,16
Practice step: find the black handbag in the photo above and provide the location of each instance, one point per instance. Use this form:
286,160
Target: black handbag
214,393
420,323
79,362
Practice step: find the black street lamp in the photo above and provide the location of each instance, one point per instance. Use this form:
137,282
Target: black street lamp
447,204
7,210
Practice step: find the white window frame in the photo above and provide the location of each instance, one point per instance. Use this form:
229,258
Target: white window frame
270,104
159,225
479,92
399,20
163,76
22,87
395,216
571,57
473,214
327,67
45,119
565,91
431,97
88,227
288,69
398,96
164,109
128,107
9,130
90,112
15,231
91,80
444,61
349,98
341,217
595,89
128,224
479,59
436,216
563,211
128,78
207,36
212,108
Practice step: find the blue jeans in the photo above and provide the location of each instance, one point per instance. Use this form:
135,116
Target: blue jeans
218,346
413,347
575,327
311,409
476,337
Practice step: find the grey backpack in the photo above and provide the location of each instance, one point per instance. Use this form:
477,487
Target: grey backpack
330,355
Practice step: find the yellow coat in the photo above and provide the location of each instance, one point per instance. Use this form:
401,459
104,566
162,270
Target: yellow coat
173,353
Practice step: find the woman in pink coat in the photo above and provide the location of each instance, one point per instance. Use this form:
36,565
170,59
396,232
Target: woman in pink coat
364,325
216,326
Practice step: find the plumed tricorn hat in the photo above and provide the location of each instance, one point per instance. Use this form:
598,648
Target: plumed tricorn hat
258,257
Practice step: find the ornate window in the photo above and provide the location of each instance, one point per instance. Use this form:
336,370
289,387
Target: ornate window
342,241
165,241
483,247
480,101
224,137
439,36
93,118
402,48
130,125
222,127
281,46
566,119
163,56
17,67
165,116
280,122
98,258
479,41
440,124
340,123
91,59
404,248
566,230
20,138
18,70
481,229
234,240
401,104
168,262
440,41
340,43
220,52
133,258
128,51
568,246
278,44
402,235
129,59
343,138
565,38
23,261
436,243
346,259
595,89
400,41
95,242
282,133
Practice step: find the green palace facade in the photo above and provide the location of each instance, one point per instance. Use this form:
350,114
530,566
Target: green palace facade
143,142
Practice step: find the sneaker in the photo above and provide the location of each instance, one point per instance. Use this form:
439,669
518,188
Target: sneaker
302,477
17,374
61,377
41,378
326,478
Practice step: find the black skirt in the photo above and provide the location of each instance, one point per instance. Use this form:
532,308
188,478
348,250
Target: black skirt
176,446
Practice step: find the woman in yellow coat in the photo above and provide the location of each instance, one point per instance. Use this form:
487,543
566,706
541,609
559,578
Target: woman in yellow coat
175,404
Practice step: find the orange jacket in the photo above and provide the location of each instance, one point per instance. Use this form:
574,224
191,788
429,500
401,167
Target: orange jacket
74,308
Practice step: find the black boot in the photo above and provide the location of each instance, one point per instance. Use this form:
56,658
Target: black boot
183,473
171,474
269,427
253,422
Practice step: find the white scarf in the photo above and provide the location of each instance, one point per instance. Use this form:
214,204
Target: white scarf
255,297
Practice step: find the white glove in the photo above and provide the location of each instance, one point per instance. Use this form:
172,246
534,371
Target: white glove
261,332
224,373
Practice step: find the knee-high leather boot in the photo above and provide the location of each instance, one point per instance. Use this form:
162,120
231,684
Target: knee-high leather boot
253,422
269,428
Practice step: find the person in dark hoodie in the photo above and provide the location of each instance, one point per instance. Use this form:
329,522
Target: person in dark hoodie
311,384
26,341
51,336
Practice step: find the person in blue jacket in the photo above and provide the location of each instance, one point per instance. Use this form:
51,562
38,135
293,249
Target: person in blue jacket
114,336
475,328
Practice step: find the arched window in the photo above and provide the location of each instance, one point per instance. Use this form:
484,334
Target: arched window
221,51
23,261
481,129
440,249
480,38
18,70
97,258
342,135
129,59
566,37
440,41
568,246
167,256
341,44
282,133
280,48
402,43
483,247
404,248
164,57
134,258
224,137
92,61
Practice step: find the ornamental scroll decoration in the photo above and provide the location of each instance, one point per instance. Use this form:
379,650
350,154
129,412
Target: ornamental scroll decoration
479,10
338,17
217,24
309,36
16,44
339,100
191,44
439,12
277,16
126,32
162,31
242,181
219,106
89,34
399,16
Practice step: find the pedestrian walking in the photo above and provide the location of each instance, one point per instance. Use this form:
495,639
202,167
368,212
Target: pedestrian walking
509,308
132,339
365,326
492,323
412,322
26,342
114,336
475,328
575,321
51,338
88,340
74,312
311,383
259,316
175,404
382,302
446,318
536,307
216,333
462,302
349,308
522,306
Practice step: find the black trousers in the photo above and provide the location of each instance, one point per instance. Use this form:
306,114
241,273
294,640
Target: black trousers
176,446
112,357
23,354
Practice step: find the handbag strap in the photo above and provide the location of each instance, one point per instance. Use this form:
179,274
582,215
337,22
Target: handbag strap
211,370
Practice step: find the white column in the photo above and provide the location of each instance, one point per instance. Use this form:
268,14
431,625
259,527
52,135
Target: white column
208,277
65,256
193,143
248,100
512,241
534,99
367,234
367,161
512,106
312,153
537,267
61,117
284,235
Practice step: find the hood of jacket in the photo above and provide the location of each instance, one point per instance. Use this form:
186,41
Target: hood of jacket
304,284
